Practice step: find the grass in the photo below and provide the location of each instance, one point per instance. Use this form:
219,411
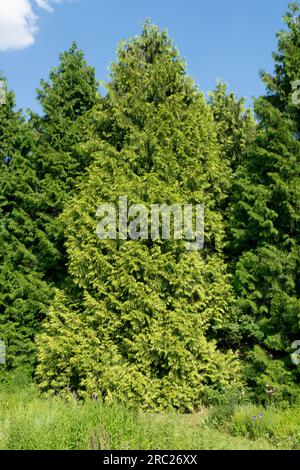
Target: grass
280,427
29,421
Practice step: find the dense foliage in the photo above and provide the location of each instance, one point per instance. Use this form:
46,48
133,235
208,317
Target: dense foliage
147,308
39,169
146,321
265,228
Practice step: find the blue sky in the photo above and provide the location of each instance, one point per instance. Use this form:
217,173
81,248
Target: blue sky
227,39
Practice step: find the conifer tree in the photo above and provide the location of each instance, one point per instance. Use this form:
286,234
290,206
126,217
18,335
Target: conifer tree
283,87
265,234
235,124
10,125
138,323
235,132
15,147
34,187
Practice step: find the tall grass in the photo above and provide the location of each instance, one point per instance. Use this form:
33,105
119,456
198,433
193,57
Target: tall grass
31,421
280,427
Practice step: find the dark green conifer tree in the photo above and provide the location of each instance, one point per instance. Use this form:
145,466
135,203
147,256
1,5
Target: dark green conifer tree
34,186
283,87
265,230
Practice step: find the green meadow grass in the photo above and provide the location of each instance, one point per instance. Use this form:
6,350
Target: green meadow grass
30,421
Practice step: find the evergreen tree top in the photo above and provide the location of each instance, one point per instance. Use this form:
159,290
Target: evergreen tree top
282,84
149,66
71,89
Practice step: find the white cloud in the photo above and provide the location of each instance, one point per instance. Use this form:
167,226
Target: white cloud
44,4
19,23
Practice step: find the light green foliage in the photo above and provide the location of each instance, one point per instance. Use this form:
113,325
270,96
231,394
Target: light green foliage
139,323
146,322
235,124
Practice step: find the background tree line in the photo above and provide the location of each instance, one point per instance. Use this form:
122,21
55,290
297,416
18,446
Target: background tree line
147,322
